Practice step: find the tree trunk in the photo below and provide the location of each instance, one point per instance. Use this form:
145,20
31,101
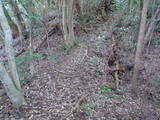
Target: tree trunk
1,35
19,19
31,53
67,21
30,7
17,13
8,47
12,86
23,10
134,84
14,27
31,12
15,95
49,3
154,20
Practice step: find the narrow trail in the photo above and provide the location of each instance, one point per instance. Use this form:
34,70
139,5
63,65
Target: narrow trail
76,85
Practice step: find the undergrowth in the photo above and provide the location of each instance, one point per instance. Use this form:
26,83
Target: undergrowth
23,63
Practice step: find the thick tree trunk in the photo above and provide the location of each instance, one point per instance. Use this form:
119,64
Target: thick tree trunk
12,86
8,47
67,21
134,86
15,95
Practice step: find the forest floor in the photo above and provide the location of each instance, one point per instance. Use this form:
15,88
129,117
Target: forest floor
76,84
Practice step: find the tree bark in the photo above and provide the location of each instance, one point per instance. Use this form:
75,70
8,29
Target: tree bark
17,13
67,21
13,26
30,7
49,3
18,18
9,48
15,95
12,86
154,20
134,83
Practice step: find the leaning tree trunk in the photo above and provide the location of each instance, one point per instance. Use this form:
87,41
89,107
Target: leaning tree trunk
30,7
67,21
13,26
8,47
18,18
12,86
134,86
16,9
154,20
15,95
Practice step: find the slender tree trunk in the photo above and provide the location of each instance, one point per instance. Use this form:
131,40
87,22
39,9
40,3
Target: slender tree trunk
134,86
139,22
1,34
49,3
24,14
14,27
17,13
31,53
64,19
154,20
18,19
30,8
71,38
44,10
15,20
31,12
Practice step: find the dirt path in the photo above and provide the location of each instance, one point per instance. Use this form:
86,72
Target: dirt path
77,86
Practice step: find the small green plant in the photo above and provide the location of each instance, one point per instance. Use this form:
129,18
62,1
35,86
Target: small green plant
26,57
133,46
87,109
99,73
110,93
156,81
66,47
23,64
53,58
154,100
93,60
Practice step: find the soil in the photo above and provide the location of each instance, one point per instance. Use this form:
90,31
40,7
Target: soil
75,84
